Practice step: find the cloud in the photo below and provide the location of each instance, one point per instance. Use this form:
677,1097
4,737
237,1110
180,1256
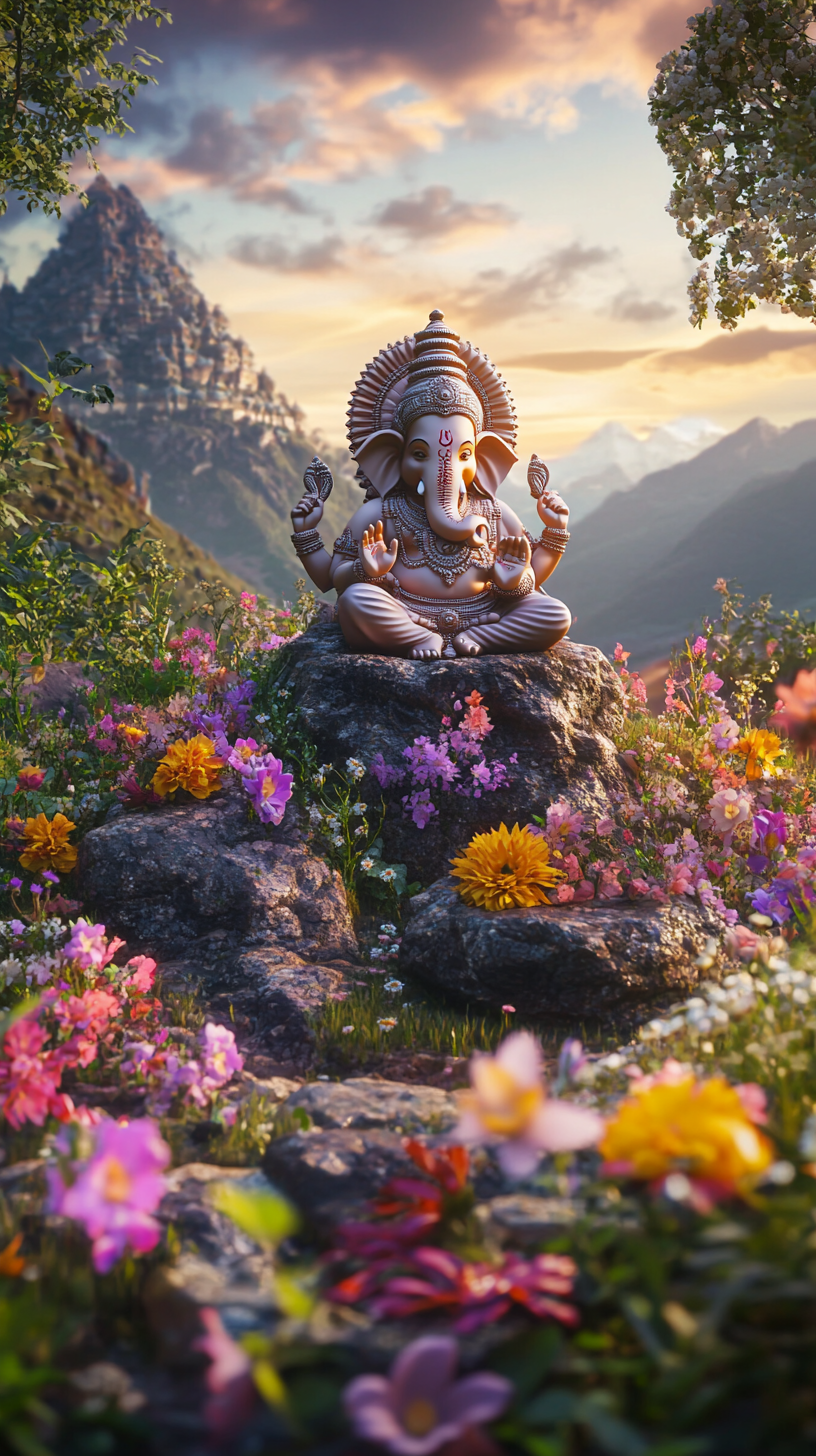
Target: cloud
631,307
749,346
497,295
277,256
577,361
437,213
372,83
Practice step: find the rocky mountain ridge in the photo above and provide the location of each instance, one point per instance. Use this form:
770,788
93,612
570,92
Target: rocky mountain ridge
225,450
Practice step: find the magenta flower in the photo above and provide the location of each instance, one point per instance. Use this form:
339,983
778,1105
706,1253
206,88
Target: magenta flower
114,1192
242,754
699,647
420,1406
507,1108
88,945
268,787
221,1055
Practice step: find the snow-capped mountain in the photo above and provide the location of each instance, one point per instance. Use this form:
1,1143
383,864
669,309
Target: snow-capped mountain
613,458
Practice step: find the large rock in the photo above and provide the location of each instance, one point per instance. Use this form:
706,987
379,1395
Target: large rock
560,962
252,915
555,710
371,1102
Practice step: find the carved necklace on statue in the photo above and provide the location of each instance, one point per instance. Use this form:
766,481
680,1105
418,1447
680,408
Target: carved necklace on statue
447,558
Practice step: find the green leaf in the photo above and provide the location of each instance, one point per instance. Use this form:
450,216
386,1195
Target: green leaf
265,1217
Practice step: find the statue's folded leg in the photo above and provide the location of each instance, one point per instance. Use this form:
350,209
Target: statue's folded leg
371,620
531,624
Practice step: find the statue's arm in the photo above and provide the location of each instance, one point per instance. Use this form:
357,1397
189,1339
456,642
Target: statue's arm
348,546
543,561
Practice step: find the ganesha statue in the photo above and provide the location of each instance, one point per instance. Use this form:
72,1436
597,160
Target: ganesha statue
433,564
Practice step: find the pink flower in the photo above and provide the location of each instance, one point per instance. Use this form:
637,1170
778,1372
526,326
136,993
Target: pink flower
605,827
507,1107
114,1192
30,1077
725,734
242,753
564,893
711,684
89,946
508,1010
229,1378
143,974
742,942
699,647
728,809
221,1056
419,1406
620,655
274,642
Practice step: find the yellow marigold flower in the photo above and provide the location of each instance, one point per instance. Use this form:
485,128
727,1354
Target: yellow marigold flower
506,867
685,1126
131,735
192,766
47,846
759,748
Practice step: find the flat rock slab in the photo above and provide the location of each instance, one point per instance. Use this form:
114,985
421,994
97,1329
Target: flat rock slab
559,962
370,1102
555,710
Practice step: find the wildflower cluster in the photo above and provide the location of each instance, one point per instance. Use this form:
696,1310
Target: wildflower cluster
456,762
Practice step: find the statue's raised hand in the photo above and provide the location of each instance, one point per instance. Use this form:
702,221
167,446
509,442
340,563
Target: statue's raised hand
308,512
513,557
552,509
377,558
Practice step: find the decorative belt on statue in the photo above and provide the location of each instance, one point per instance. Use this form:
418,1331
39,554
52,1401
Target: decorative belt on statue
446,618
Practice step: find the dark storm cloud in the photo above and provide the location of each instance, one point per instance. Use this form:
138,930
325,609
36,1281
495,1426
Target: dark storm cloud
436,212
497,295
278,256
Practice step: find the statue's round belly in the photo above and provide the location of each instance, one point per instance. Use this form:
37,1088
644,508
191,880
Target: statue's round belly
423,582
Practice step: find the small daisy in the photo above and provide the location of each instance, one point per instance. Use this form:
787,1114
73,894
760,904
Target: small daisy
387,1023
394,985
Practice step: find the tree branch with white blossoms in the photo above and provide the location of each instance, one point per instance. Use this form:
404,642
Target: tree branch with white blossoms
735,116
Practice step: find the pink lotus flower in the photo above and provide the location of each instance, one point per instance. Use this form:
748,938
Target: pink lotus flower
420,1406
229,1378
114,1192
728,809
507,1108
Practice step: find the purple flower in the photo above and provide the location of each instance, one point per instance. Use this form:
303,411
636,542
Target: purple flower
51,877
36,889
221,1055
384,773
17,927
15,883
268,787
87,945
572,1059
765,902
114,1192
770,830
420,1406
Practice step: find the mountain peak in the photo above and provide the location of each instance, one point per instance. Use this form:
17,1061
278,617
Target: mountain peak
112,291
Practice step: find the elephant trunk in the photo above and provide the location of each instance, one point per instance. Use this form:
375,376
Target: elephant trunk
442,505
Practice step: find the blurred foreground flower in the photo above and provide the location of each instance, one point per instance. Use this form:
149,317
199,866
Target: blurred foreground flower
47,846
507,1107
114,1190
229,1378
29,779
759,748
420,1406
705,1131
193,766
12,1262
797,717
506,867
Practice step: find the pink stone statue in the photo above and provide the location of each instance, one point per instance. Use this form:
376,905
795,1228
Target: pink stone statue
432,564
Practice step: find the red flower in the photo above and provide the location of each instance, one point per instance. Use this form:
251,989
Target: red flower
481,1292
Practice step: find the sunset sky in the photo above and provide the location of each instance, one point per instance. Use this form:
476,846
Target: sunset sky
330,170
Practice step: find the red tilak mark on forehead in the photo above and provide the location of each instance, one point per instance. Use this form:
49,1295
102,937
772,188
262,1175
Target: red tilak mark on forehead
445,437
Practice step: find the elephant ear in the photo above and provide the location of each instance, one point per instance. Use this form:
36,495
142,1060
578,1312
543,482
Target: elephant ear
380,457
494,460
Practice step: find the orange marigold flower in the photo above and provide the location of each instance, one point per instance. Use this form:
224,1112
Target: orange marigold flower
759,748
12,1264
193,766
47,846
680,1125
506,867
